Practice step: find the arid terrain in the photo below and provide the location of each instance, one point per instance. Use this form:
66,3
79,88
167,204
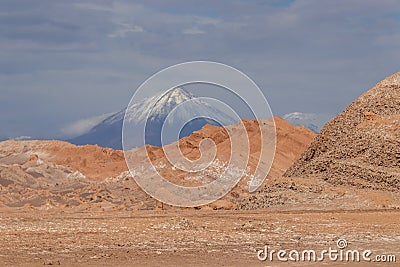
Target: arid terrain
58,175
62,204
189,237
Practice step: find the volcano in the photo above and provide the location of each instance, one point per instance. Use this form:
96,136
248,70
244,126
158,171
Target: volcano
151,114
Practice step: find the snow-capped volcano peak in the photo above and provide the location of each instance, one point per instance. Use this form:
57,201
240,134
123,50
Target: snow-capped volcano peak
177,95
173,108
158,106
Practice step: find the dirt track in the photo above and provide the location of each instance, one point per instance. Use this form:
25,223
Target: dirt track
187,238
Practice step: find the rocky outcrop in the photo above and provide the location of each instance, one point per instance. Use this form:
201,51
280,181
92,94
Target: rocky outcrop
361,146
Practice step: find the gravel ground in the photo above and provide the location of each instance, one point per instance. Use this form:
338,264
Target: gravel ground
189,237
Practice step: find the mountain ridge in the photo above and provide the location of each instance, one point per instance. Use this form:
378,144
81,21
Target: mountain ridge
57,174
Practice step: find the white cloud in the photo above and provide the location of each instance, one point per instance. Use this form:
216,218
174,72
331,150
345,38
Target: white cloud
193,31
125,29
83,126
93,6
207,21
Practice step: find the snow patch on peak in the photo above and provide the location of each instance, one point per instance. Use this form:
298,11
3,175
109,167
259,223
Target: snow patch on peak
159,106
313,121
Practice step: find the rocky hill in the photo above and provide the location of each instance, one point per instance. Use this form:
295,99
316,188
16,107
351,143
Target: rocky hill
361,146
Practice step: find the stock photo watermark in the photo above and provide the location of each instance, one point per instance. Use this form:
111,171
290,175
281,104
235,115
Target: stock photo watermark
149,176
340,253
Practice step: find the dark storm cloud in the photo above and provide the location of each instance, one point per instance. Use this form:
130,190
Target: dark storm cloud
62,61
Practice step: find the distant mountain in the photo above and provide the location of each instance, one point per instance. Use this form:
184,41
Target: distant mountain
152,113
17,138
313,121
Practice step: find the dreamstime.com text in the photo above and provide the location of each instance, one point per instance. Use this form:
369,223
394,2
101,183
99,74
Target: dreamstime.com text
340,253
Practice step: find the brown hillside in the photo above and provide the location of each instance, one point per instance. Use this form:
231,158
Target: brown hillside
361,146
59,174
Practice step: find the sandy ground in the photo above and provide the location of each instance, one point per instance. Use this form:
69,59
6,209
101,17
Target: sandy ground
189,237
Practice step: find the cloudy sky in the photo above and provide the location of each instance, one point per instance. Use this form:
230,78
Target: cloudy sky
63,61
